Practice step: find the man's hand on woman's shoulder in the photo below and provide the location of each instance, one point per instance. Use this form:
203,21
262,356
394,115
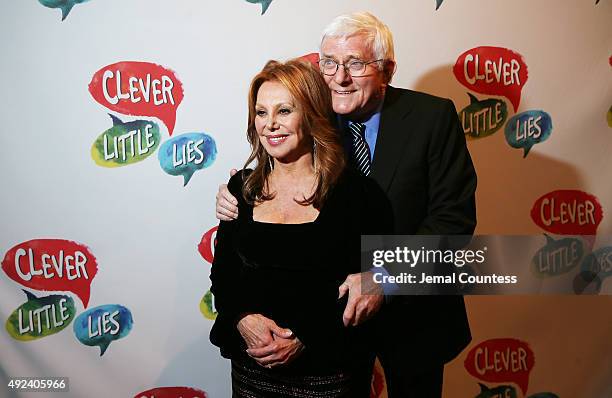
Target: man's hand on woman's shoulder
226,204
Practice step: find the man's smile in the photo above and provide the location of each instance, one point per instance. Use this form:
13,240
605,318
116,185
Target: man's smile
344,92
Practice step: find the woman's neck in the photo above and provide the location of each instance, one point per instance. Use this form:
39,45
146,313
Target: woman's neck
299,169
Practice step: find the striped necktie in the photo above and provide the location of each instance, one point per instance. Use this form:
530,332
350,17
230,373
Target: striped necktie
361,151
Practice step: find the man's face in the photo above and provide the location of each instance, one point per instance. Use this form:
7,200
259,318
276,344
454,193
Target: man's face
354,97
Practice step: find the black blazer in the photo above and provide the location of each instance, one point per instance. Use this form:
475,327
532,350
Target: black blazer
422,163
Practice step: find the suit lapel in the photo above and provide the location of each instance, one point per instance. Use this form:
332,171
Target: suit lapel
392,137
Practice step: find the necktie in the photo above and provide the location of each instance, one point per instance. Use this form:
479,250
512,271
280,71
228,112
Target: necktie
361,151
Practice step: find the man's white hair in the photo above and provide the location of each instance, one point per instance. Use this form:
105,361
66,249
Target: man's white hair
377,33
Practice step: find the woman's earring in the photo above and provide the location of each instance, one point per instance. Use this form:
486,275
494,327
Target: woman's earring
315,160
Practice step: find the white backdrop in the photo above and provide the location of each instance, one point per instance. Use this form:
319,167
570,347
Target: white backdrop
144,226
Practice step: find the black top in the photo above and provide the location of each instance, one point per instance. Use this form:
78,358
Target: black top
290,273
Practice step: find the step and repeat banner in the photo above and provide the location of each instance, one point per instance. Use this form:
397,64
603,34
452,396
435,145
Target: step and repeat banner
120,118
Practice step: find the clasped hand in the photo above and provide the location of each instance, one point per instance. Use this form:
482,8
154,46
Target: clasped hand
267,343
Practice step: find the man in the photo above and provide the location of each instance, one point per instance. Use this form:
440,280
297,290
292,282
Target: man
413,146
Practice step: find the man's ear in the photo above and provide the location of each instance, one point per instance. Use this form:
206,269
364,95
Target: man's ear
389,70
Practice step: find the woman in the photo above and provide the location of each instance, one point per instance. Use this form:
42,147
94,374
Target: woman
277,268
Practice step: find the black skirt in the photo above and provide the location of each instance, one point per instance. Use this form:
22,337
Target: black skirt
254,381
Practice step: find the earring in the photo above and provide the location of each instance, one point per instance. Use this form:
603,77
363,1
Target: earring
315,160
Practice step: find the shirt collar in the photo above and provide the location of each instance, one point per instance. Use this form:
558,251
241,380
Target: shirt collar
372,123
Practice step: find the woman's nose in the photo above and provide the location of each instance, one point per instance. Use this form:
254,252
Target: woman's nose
272,123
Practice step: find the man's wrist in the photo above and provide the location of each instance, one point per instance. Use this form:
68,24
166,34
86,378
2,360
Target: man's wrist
388,288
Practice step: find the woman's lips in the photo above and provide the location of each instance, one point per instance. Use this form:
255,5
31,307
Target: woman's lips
277,139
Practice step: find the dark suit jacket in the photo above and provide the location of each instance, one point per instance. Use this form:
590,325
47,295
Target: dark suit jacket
422,163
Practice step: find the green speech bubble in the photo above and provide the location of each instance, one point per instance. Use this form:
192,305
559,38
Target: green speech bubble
126,143
505,391
482,118
207,307
557,257
40,317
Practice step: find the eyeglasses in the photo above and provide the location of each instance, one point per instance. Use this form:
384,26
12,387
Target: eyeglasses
355,67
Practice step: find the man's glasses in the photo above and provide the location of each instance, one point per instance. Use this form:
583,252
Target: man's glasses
355,67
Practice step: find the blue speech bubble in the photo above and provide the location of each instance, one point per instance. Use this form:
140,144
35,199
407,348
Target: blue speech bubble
64,5
599,262
264,4
594,269
526,129
101,325
187,153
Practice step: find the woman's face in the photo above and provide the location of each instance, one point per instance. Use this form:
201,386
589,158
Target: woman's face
278,121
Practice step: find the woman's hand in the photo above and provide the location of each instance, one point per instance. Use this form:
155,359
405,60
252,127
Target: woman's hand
259,331
268,344
280,352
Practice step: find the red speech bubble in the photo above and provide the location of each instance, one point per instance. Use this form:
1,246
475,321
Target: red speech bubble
501,360
207,245
172,392
52,265
313,58
493,70
140,89
567,212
